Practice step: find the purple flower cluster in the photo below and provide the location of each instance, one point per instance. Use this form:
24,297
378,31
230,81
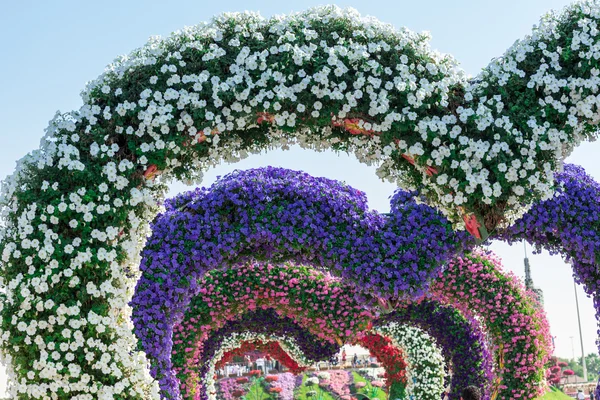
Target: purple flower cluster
277,214
287,382
266,322
461,339
227,386
568,224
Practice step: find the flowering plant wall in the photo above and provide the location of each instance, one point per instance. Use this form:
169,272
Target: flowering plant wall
476,285
76,211
461,339
568,224
426,373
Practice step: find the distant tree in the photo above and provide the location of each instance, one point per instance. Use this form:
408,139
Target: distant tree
592,362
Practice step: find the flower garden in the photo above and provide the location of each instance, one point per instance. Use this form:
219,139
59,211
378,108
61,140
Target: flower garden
109,291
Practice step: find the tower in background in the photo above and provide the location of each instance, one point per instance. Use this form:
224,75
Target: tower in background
529,281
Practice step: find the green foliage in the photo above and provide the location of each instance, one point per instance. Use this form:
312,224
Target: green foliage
554,394
370,391
257,390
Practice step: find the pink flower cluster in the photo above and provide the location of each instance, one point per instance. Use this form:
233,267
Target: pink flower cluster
339,382
477,285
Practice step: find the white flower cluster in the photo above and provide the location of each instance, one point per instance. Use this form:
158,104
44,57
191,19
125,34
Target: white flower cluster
426,366
235,341
75,213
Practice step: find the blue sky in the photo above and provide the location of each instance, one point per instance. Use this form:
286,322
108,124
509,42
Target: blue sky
50,49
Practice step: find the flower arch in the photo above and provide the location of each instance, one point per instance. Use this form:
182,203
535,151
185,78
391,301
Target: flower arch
393,360
461,339
320,305
426,373
263,326
76,211
279,214
519,330
568,224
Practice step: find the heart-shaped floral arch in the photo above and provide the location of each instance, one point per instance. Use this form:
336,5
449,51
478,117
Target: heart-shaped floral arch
333,310
75,213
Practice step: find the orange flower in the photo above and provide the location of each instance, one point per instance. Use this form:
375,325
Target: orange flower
151,172
430,171
408,158
353,126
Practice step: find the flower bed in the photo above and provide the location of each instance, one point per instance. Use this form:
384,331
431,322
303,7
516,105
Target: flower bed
227,387
287,383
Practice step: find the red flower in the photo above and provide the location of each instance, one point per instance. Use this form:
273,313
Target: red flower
472,225
237,393
272,378
390,357
276,390
242,380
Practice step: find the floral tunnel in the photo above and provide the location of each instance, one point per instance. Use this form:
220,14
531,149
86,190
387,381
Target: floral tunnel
285,340
461,338
424,362
317,302
75,213
224,294
279,215
407,352
322,306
